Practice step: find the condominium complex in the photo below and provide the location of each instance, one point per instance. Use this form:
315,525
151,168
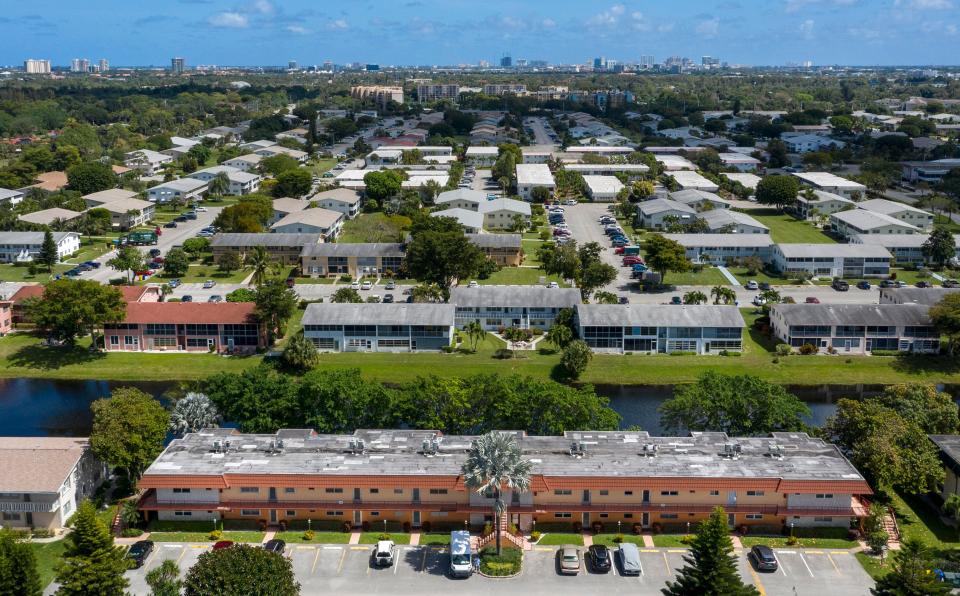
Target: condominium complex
178,65
32,66
514,89
381,96
414,476
437,92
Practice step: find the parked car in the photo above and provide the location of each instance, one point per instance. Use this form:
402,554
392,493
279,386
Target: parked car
388,298
676,300
924,284
366,285
391,285
570,202
383,553
763,558
840,285
222,544
374,298
275,546
599,556
355,285
812,300
630,261
215,298
201,209
186,298
764,285
629,559
93,264
170,224
759,300
752,285
173,283
553,285
209,284
180,219
154,252
569,560
138,552
863,284
623,300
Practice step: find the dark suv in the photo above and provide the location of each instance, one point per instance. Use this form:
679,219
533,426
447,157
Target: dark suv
763,557
599,557
139,552
275,546
840,285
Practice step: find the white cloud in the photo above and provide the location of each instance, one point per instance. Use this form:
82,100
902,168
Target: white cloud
298,29
931,4
951,29
665,27
263,6
548,23
709,28
638,22
338,24
798,5
806,29
229,20
607,18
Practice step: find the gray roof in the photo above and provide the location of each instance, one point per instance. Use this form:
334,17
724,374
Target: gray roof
718,218
317,217
806,251
924,296
866,220
694,195
607,454
300,240
660,205
46,217
721,240
6,193
461,194
181,184
949,446
852,314
889,207
467,218
362,249
31,237
496,240
501,203
822,196
378,314
531,296
896,240
339,194
659,315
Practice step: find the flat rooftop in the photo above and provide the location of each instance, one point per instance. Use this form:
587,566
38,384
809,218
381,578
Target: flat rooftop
534,174
782,456
515,296
828,180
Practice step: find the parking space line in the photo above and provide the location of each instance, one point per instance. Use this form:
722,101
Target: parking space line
333,548
814,552
198,546
167,545
666,563
756,580
779,565
343,556
182,552
834,563
810,571
304,547
150,558
358,548
679,550
316,558
543,549
648,550
839,552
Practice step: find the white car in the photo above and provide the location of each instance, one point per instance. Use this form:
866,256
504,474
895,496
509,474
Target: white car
201,209
553,284
473,284
366,285
355,285
759,300
209,284
752,285
571,202
383,553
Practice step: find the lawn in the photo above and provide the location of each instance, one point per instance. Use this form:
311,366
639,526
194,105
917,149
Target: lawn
788,229
608,539
781,542
943,220
321,166
201,273
397,537
759,276
708,276
373,227
916,519
318,537
669,541
22,274
238,536
519,276
48,557
559,539
435,538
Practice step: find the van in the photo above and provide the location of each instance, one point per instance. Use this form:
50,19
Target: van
629,558
461,557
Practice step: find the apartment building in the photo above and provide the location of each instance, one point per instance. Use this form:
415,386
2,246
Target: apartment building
374,327
504,249
414,476
728,221
701,329
862,222
481,156
228,327
183,190
300,156
748,181
472,221
310,221
931,172
437,92
721,249
689,180
632,170
821,203
342,200
905,213
379,95
147,162
532,175
13,197
496,307
925,296
949,448
49,217
831,183
285,248
245,163
353,259
856,328
504,89
699,199
240,182
832,260
907,249
43,479
603,189
659,213
20,247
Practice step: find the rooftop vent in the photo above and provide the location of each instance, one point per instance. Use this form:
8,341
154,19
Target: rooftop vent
731,451
218,446
577,449
356,446
775,451
275,446
431,446
650,449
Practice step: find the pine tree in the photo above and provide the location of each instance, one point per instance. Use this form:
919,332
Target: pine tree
911,575
711,567
18,568
92,564
48,251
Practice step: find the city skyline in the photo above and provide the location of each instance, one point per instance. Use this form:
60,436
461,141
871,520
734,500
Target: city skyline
428,32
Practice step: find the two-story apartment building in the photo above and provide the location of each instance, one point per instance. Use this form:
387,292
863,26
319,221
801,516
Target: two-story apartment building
310,221
353,259
728,221
228,327
245,163
461,198
949,448
927,296
241,182
831,183
285,248
20,247
146,161
832,260
660,328
532,175
656,214
719,249
182,189
699,199
414,476
905,213
496,307
820,202
375,327
856,328
344,200
861,222
906,249
481,156
43,479
504,249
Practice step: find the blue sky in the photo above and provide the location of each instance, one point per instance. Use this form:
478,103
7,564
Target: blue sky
247,32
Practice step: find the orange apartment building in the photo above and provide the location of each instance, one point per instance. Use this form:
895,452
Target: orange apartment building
413,476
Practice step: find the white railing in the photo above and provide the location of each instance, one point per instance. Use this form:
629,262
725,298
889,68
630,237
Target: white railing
29,506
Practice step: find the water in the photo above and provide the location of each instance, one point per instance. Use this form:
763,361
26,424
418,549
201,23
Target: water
39,407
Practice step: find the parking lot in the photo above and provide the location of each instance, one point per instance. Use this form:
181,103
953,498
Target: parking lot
346,569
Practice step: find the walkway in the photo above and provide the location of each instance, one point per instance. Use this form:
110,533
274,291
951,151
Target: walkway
733,280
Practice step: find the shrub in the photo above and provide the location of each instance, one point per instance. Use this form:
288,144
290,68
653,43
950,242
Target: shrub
215,535
597,527
508,563
808,349
618,538
743,529
503,354
426,526
577,527
283,525
783,349
126,533
885,352
487,529
536,331
730,354
656,528
637,529
686,539
683,353
793,541
365,526
383,536
308,535
347,527
406,527
535,536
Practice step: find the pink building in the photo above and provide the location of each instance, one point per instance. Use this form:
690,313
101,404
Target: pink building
227,327
6,316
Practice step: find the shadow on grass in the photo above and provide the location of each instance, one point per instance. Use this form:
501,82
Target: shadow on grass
922,364
42,357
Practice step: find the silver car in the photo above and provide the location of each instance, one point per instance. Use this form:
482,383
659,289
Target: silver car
569,560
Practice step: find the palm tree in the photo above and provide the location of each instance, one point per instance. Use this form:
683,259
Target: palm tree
717,293
495,461
605,298
475,332
694,297
219,185
559,335
259,260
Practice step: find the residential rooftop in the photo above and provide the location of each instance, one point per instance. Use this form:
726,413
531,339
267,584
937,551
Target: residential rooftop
187,313
378,314
853,314
496,240
828,180
924,296
850,251
317,216
888,207
747,180
659,205
359,249
345,195
719,218
38,464
45,217
110,195
264,239
659,315
534,174
515,296
722,240
868,220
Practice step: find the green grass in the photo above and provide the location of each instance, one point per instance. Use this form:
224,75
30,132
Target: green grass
669,541
519,276
943,220
781,541
315,280
787,229
240,536
559,539
321,166
872,566
708,276
741,274
435,539
201,273
48,557
318,537
918,520
371,227
608,539
507,563
397,537
22,274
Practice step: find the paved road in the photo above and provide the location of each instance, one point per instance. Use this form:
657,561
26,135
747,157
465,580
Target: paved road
582,219
305,291
541,131
346,569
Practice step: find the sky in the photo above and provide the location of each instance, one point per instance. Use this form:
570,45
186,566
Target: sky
443,32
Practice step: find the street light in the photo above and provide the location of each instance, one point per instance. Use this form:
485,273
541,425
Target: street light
618,526
309,523
688,528
791,529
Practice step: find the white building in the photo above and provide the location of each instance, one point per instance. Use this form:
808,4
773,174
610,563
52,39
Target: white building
481,156
149,163
861,221
699,199
808,143
182,189
344,200
655,213
245,163
905,213
692,180
632,170
832,260
728,221
22,247
472,221
530,176
740,161
673,163
907,249
12,197
831,183
603,189
310,221
825,203
502,213
748,181
461,198
720,249
241,183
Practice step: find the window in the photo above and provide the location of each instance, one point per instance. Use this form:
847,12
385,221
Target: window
824,496
754,493
668,493
164,342
714,493
291,513
330,490
334,513
438,491
754,516
438,514
289,490
603,515
67,507
10,516
628,492
398,491
181,490
249,512
823,519
563,491
374,514
374,491
114,340
563,515
627,516
182,513
604,493
249,489
669,516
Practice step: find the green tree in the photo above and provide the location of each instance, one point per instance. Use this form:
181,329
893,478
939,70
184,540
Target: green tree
259,260
424,293
90,177
18,567
933,411
560,336
193,412
229,261
346,295
278,164
946,318
128,430
219,185
711,566
241,570
293,183
575,358
382,184
476,333
442,257
605,298
723,294
275,305
165,579
69,309
740,405
779,190
695,297
48,256
495,461
91,563
249,215
540,194
300,353
664,255
940,247
242,295
176,263
128,260
910,573
196,246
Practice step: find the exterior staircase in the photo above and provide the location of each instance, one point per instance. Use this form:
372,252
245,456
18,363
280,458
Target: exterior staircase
506,538
892,530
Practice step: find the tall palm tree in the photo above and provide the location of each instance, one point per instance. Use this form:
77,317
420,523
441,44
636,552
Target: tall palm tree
259,260
495,461
475,332
694,297
716,292
219,185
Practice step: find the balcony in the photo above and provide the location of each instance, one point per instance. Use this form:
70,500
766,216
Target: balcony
29,506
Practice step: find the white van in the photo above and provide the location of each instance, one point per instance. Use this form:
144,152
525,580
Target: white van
630,559
461,557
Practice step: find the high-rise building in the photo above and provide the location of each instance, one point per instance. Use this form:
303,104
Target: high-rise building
709,61
104,65
292,65
505,89
33,66
506,62
599,63
380,95
646,61
178,65
79,65
428,92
